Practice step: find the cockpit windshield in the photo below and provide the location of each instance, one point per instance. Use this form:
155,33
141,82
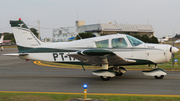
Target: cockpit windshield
134,41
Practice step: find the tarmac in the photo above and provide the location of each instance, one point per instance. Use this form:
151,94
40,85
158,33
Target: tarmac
17,75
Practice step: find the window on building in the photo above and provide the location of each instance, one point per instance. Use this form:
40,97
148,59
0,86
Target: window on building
102,44
118,42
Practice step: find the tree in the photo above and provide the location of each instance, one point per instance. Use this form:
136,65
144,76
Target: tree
154,40
177,36
145,39
137,36
34,31
84,35
9,36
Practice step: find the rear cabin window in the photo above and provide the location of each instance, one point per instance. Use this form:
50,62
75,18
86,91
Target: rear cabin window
102,44
118,43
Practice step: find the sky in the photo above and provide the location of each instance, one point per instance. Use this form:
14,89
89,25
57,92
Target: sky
163,15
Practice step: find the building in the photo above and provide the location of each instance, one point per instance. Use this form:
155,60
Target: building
68,33
64,33
109,28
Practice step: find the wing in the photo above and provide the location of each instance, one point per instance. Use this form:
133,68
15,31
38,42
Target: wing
95,56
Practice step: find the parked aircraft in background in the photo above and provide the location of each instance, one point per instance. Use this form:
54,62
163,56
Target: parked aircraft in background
163,39
1,41
111,50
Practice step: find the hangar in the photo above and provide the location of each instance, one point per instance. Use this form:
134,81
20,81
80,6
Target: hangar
109,28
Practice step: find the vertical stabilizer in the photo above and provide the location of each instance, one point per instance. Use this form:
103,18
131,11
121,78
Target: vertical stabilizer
23,35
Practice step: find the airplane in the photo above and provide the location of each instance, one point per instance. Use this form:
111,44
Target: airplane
163,39
109,51
1,41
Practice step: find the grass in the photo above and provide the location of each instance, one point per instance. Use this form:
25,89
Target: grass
12,46
10,96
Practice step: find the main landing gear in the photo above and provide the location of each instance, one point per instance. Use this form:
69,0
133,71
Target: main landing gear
106,74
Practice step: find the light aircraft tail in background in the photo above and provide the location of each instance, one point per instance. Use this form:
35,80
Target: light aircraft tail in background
110,51
1,41
2,38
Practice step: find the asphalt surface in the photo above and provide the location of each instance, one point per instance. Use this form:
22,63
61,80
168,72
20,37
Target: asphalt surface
18,75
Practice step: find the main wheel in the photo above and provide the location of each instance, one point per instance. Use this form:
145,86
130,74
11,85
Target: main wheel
159,77
104,78
119,73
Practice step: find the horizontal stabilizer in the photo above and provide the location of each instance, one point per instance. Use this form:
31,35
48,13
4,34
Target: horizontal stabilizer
15,54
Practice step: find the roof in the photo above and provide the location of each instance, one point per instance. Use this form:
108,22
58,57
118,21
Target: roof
117,27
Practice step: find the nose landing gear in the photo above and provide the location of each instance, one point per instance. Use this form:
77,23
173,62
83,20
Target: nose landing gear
158,73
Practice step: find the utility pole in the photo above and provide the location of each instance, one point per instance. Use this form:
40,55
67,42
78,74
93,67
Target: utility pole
38,29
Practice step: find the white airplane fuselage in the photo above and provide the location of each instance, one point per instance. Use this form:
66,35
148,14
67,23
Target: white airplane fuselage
58,52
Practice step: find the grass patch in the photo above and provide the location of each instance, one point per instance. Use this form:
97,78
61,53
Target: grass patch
10,96
12,46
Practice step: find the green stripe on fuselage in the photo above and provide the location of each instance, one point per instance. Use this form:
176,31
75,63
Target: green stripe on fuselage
41,50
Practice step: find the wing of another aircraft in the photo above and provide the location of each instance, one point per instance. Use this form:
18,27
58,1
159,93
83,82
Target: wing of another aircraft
96,56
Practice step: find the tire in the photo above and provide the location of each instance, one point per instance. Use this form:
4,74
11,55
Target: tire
119,74
161,77
105,78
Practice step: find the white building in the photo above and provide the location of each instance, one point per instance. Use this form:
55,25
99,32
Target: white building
64,33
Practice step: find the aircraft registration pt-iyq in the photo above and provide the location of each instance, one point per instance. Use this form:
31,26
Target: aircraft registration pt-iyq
107,51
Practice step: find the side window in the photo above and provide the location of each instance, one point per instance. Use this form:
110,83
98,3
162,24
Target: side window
102,44
119,42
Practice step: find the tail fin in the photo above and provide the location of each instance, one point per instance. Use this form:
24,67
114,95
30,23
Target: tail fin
2,37
25,39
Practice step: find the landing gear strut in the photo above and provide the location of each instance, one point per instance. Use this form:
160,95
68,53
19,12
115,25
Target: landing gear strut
107,73
118,70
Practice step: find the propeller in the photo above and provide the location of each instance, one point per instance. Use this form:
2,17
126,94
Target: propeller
173,50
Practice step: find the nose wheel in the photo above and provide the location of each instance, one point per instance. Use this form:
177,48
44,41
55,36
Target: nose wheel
158,73
159,77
